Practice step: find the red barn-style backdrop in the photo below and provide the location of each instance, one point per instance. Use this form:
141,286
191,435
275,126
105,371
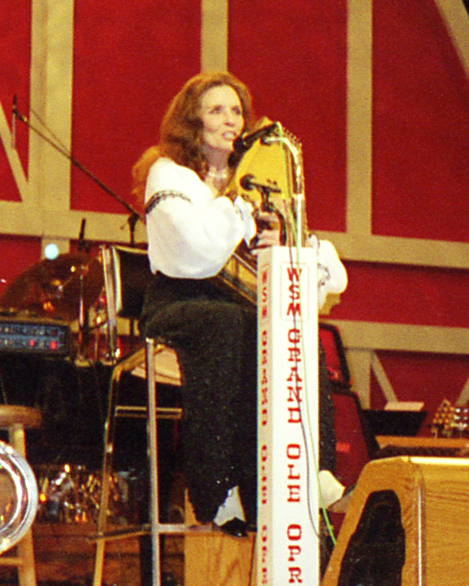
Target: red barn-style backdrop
376,91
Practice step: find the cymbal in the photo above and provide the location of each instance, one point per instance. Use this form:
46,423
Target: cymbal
54,288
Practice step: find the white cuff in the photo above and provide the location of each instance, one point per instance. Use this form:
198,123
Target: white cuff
246,209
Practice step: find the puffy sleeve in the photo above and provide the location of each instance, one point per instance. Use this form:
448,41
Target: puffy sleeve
332,276
191,233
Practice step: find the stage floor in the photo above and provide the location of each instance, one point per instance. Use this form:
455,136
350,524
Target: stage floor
64,556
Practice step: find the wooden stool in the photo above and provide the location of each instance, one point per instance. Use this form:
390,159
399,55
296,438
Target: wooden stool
15,419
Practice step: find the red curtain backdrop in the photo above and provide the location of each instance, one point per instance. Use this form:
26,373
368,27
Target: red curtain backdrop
15,49
405,294
130,58
421,125
17,254
292,55
421,377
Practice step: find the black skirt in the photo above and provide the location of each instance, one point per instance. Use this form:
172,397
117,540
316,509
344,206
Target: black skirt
215,341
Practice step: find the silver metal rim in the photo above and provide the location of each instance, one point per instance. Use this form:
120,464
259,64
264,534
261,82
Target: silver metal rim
25,506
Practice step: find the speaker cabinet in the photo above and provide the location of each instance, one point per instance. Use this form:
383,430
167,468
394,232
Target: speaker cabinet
407,525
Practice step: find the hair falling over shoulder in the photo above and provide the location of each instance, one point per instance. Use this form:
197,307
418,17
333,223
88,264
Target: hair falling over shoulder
140,173
181,129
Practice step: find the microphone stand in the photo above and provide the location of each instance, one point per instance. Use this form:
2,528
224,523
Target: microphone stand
134,214
132,221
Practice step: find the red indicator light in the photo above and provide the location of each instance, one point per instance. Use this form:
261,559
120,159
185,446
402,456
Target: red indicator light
53,345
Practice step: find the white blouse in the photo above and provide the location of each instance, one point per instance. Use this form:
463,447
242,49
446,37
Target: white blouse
192,234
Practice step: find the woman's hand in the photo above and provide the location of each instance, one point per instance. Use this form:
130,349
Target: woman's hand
268,232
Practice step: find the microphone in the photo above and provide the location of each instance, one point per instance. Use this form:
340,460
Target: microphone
82,245
243,144
248,184
265,189
14,113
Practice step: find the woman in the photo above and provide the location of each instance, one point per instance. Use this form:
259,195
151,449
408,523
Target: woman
193,229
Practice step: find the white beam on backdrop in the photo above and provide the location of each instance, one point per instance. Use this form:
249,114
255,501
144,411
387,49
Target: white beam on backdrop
51,101
396,250
7,137
403,337
214,35
359,115
383,379
455,17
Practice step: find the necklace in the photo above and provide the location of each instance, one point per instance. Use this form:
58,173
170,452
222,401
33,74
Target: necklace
218,175
217,180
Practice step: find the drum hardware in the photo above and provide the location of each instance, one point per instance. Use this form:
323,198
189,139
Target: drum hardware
99,330
71,494
450,420
51,292
59,289
29,335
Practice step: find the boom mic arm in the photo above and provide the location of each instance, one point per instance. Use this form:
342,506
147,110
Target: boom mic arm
134,216
244,143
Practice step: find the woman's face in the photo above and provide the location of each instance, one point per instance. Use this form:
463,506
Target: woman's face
221,113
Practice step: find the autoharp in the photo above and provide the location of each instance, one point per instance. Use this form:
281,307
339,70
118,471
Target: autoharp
270,176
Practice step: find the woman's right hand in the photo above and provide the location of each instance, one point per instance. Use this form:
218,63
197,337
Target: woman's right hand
268,232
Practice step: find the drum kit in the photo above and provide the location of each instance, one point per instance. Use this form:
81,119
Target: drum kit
64,289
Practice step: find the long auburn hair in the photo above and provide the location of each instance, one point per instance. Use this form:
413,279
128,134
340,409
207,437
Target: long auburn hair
181,129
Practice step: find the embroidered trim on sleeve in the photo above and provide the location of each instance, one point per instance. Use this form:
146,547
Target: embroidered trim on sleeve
159,196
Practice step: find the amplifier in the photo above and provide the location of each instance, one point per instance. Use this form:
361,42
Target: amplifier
34,335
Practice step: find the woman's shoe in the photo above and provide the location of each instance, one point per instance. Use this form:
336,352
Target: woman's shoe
341,505
235,528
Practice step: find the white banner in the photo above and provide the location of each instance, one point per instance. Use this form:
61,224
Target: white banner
288,504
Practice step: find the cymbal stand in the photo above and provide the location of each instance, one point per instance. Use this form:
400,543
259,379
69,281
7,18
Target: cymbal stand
83,324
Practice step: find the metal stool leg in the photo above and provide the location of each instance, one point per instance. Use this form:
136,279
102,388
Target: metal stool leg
153,457
109,432
144,356
106,470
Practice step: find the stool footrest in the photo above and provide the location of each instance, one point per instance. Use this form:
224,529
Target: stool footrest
162,528
137,411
